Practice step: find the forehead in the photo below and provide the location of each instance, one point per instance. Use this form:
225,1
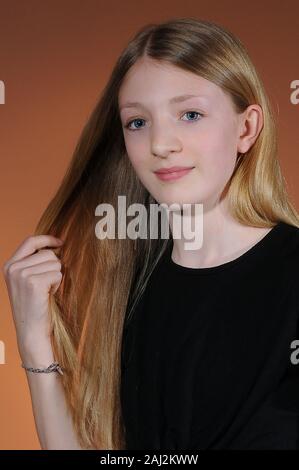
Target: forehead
148,80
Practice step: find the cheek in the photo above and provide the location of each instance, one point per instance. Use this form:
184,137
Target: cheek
217,149
136,150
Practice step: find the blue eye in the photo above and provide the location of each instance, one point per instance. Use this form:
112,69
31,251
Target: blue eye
127,126
193,112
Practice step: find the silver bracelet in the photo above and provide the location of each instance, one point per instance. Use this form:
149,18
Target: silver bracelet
54,367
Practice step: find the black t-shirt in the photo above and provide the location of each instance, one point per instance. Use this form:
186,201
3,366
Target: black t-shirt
207,355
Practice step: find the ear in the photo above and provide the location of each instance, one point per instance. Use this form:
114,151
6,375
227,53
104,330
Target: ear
251,124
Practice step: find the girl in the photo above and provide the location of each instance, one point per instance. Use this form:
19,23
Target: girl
158,346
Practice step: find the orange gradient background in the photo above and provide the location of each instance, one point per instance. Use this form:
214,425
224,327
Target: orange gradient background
55,58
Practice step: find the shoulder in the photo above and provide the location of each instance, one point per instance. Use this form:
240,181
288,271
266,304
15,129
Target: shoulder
283,260
288,240
287,253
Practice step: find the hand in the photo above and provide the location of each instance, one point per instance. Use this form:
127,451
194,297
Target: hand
31,272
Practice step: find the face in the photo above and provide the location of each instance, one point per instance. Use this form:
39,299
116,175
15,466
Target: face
163,128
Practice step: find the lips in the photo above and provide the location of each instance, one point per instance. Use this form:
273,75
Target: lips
172,169
173,173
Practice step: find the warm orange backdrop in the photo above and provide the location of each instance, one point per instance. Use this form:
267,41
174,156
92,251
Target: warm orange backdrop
55,57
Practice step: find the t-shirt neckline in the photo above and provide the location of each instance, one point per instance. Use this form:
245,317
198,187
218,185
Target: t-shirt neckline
253,251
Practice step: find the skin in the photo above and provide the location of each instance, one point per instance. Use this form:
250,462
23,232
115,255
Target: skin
203,132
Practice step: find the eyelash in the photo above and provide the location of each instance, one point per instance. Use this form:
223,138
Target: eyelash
139,119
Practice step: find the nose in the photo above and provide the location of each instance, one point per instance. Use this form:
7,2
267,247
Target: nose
164,141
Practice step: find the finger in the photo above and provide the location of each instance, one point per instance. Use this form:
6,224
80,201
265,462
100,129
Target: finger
33,243
39,257
45,280
40,268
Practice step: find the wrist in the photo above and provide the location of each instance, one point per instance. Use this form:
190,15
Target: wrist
37,354
53,367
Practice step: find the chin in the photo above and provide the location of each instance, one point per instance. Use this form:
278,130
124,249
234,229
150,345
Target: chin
179,201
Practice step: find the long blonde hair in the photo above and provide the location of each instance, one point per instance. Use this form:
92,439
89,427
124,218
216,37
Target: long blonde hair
103,279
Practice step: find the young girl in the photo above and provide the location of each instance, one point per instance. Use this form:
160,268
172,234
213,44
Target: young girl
151,345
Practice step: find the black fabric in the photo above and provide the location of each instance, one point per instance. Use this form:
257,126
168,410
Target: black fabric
206,358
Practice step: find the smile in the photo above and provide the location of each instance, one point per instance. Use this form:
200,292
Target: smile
173,175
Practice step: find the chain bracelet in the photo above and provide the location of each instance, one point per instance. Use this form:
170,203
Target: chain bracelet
54,367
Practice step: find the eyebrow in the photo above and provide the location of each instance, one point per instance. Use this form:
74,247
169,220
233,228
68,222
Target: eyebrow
174,99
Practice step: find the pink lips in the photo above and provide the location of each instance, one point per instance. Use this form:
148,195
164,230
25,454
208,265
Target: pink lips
172,173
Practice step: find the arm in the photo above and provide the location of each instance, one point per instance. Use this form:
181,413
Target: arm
30,273
53,421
